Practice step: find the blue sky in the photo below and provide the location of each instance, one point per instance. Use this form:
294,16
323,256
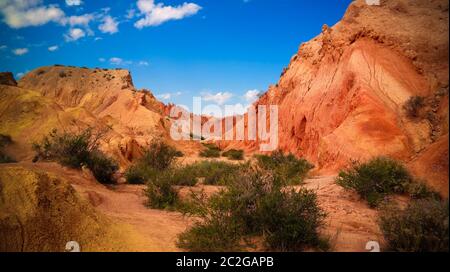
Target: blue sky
218,49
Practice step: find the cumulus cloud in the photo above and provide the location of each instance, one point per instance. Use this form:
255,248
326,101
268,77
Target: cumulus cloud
109,25
130,13
20,51
167,96
119,61
74,34
24,13
74,2
53,48
157,14
219,98
143,63
19,75
251,95
82,20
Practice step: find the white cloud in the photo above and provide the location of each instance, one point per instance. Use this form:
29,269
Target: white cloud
75,20
167,96
102,59
53,48
74,34
219,98
251,95
3,47
19,75
20,51
74,2
157,14
130,13
116,61
119,61
109,25
24,13
143,63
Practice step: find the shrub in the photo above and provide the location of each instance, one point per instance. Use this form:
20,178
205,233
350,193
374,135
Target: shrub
234,154
62,74
75,150
256,205
159,155
135,174
157,158
418,190
216,172
160,193
413,106
4,141
421,227
103,168
375,179
286,167
210,151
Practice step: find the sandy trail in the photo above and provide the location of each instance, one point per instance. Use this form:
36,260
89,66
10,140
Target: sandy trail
350,223
155,230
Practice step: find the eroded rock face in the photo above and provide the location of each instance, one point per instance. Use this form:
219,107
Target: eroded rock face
52,215
341,98
71,99
7,78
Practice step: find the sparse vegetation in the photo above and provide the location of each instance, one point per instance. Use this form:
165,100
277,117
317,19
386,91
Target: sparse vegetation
157,158
286,167
421,227
4,141
210,151
215,172
375,179
76,150
160,193
62,74
234,154
256,205
413,106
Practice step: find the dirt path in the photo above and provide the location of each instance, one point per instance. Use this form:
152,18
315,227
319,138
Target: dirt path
350,222
155,230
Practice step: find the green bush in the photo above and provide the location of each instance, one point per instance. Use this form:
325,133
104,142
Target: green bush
136,174
285,167
210,151
413,106
234,154
103,168
216,172
256,205
375,179
421,227
160,192
75,150
157,158
418,190
4,141
159,155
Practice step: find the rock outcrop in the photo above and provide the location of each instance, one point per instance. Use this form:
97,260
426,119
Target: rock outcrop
341,98
70,98
42,213
7,78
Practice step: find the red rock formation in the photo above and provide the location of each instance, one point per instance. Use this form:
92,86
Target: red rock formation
341,98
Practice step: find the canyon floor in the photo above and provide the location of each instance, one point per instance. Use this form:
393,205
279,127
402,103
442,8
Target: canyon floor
350,223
